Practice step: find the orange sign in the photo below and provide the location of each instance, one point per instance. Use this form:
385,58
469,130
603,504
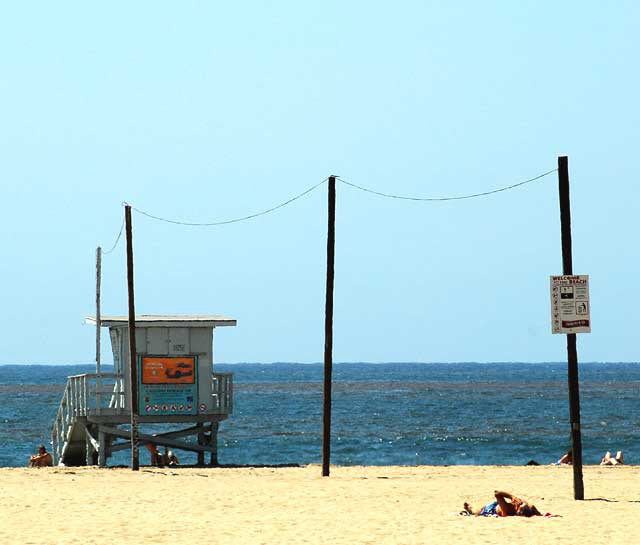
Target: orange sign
168,370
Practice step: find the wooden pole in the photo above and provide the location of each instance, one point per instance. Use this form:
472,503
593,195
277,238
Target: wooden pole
133,359
201,441
328,328
98,324
572,351
102,449
214,443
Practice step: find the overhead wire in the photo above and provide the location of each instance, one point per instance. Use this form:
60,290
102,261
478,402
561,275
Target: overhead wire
454,198
234,220
309,190
116,242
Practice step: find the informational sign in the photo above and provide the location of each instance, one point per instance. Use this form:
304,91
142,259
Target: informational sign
168,385
570,309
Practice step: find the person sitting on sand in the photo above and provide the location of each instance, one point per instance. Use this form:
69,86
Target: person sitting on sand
566,460
503,508
42,459
171,459
609,461
156,458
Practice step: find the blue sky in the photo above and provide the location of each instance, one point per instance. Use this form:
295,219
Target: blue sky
206,111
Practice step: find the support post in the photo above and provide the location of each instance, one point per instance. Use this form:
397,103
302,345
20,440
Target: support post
88,455
214,443
572,351
102,448
98,325
328,328
133,359
202,440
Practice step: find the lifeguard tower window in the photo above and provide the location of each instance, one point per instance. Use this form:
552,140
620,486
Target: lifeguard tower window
178,388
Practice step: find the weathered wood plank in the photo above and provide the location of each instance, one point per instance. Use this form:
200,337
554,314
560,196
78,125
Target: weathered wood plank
167,435
144,438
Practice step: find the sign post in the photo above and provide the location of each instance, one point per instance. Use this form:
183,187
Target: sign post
566,312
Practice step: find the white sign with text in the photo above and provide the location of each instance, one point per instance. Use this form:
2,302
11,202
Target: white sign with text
570,309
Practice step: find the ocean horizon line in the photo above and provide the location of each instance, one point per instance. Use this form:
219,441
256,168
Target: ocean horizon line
301,363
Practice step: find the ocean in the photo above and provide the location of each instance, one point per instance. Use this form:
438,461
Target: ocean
383,414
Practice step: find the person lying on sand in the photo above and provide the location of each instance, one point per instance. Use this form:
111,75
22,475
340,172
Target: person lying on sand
42,459
503,508
609,461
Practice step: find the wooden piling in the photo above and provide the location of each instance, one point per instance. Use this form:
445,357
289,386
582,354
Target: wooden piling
202,440
214,443
102,449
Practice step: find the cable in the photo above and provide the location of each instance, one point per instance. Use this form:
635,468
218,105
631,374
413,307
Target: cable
116,242
235,220
447,198
289,201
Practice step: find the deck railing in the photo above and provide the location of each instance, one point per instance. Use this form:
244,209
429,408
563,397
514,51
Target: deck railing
222,392
90,393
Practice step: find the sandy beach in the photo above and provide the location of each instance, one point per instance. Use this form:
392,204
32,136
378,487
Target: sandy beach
382,505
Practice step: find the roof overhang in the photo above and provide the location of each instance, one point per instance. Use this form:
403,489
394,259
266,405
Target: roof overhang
166,320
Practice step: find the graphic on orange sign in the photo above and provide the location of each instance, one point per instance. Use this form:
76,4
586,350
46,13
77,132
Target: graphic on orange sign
168,370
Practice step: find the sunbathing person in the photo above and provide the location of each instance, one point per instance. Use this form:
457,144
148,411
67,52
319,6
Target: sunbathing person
503,508
42,459
609,461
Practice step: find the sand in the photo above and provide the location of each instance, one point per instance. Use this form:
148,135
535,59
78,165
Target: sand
381,505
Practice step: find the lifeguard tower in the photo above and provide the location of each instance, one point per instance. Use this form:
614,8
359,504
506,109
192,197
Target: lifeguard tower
177,388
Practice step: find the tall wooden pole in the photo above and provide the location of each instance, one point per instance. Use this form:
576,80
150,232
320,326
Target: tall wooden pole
572,351
328,328
133,359
98,324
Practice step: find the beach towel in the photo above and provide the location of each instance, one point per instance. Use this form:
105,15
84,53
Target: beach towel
489,510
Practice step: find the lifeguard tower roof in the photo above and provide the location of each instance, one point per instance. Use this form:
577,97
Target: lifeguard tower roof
167,320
